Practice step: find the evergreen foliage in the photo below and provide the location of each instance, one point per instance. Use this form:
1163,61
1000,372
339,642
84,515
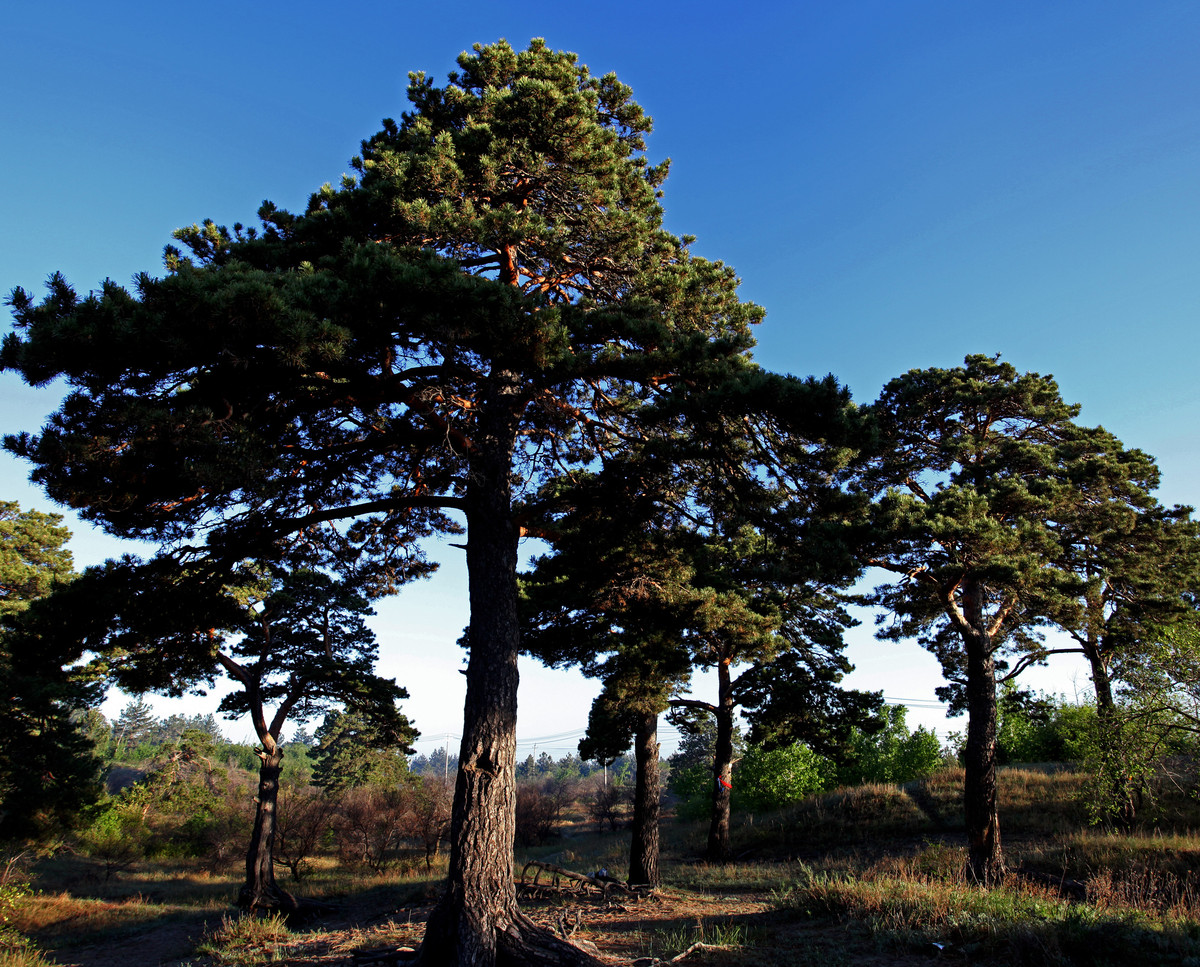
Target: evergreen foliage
48,766
353,751
977,473
492,300
33,556
136,724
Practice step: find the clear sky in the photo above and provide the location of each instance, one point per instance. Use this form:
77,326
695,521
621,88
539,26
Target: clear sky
898,183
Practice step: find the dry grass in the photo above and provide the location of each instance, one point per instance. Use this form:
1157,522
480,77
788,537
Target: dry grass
926,903
872,875
845,816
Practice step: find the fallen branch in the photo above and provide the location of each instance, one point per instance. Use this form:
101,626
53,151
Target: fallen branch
695,949
577,882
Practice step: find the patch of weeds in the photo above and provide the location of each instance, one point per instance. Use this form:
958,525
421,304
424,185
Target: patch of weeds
668,943
727,877
25,956
247,940
1011,924
16,949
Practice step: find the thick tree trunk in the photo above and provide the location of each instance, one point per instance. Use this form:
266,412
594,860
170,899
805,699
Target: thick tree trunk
718,830
477,922
985,857
644,849
260,892
1100,679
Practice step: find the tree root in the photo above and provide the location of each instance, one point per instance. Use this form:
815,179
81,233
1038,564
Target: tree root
524,944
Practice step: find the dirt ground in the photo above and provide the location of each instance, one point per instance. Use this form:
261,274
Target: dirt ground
625,932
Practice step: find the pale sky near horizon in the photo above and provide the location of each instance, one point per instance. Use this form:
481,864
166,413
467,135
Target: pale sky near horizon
898,184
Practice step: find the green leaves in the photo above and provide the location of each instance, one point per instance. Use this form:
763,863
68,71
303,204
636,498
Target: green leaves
33,558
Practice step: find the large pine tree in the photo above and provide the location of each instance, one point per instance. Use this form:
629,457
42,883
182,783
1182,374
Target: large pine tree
975,469
492,302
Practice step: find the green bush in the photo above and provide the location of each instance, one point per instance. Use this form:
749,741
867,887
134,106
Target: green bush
890,753
1042,728
117,837
771,779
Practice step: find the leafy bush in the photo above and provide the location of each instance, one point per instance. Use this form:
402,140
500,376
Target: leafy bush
771,779
692,784
117,837
890,753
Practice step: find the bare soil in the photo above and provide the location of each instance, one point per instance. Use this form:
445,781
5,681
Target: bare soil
642,931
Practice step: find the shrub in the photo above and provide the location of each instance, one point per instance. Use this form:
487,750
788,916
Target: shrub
771,779
608,804
1042,728
536,815
117,837
368,827
891,753
428,820
305,814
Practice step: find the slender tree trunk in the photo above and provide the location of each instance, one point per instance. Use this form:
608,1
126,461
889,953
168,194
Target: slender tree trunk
1122,807
260,892
643,851
477,922
718,830
985,857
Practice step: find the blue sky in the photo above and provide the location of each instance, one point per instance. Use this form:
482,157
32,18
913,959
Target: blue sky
898,183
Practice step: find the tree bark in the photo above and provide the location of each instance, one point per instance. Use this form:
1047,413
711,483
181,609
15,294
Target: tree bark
718,830
644,849
1101,681
260,891
477,923
985,857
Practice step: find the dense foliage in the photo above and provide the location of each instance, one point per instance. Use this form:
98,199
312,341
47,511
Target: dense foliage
48,771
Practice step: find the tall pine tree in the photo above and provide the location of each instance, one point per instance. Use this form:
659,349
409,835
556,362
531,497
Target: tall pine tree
974,467
492,302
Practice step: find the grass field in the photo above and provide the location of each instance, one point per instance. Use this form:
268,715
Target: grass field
870,876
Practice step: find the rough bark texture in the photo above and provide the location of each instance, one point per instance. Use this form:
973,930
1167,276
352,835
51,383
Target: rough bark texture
985,856
477,923
1100,679
718,830
260,892
644,849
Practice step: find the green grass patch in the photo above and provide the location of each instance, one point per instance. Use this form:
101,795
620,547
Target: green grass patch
247,940
926,904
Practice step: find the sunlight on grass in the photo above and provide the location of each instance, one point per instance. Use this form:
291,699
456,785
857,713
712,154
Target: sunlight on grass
247,940
670,942
927,900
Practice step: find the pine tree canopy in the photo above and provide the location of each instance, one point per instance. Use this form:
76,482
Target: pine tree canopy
47,768
490,303
280,380
33,558
976,467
